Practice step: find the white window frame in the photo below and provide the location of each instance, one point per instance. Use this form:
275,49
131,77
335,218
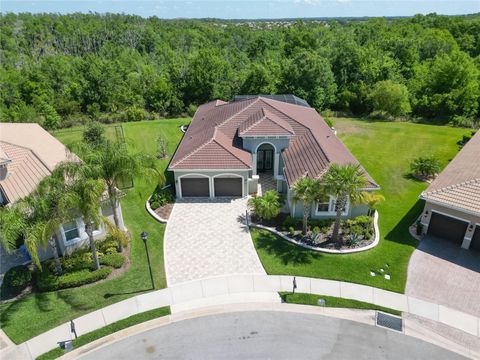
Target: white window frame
331,207
81,232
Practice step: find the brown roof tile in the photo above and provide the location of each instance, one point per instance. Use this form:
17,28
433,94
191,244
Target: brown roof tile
458,185
264,122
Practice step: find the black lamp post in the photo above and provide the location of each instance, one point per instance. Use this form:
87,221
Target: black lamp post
144,237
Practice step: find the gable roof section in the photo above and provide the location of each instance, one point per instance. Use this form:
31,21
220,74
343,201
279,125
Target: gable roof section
313,146
458,185
265,123
33,154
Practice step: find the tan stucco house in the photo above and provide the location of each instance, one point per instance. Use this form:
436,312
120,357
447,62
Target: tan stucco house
28,153
452,201
257,143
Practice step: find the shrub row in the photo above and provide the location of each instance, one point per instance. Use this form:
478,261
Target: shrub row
16,279
47,281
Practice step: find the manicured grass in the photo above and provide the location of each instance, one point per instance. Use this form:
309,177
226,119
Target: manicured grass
385,149
39,312
109,329
331,301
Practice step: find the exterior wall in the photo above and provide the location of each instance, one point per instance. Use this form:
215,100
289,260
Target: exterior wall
296,210
211,174
472,219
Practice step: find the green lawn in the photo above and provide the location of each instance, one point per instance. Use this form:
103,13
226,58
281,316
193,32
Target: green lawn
107,330
331,301
385,149
39,312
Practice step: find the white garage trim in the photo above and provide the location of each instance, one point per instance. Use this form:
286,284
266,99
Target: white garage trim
193,176
447,214
228,175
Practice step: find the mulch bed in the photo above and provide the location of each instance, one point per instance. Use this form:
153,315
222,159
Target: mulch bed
164,211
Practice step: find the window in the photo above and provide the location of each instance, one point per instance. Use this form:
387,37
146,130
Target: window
70,230
323,205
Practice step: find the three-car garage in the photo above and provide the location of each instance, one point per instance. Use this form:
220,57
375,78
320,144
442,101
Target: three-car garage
224,185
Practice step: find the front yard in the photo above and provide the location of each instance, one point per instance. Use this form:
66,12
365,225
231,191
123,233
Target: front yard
385,149
39,312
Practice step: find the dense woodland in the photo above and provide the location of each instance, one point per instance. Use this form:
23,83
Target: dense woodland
62,70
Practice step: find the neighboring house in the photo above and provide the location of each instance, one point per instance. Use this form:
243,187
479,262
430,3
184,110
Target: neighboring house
28,153
256,143
452,208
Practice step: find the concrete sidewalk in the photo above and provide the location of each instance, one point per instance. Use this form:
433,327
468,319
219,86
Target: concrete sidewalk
223,290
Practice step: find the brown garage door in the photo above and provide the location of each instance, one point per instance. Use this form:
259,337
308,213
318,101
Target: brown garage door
195,187
228,187
447,228
475,244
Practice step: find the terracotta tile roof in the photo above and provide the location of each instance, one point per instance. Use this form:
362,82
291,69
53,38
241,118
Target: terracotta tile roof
33,153
458,185
265,123
313,146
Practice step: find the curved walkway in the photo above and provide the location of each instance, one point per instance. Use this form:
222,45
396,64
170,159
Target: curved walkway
244,289
208,237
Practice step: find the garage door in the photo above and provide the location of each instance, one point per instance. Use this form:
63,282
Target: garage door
228,187
195,187
475,244
447,228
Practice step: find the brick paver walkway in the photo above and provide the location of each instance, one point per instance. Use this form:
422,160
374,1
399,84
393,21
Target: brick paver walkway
208,237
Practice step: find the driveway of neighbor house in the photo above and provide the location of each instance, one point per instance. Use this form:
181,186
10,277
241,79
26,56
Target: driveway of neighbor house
208,237
443,272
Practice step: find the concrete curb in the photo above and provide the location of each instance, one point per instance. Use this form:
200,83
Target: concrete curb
240,288
152,212
328,251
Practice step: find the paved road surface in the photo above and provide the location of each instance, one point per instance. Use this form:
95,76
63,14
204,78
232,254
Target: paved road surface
270,335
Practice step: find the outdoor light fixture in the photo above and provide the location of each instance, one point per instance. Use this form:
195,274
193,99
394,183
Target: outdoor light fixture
144,237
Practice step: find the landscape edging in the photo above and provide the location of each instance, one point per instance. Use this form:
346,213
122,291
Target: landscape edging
329,251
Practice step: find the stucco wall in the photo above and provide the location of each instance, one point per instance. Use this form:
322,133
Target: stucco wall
353,211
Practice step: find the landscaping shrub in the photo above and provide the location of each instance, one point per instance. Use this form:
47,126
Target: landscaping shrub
291,222
108,245
361,226
16,279
94,134
267,206
161,197
47,281
113,259
425,167
291,230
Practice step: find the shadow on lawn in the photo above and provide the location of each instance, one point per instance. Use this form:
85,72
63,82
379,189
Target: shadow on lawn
400,233
288,253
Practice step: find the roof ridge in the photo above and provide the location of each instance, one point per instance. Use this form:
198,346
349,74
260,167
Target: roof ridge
254,122
278,123
32,151
454,186
191,153
214,139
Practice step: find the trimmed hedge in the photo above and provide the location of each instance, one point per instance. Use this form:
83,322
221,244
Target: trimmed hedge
16,279
113,260
47,281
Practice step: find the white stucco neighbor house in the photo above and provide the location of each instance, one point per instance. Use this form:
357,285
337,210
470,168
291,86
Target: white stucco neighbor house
256,143
452,201
28,153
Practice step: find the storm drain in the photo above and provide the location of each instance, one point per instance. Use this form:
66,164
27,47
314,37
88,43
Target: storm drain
389,321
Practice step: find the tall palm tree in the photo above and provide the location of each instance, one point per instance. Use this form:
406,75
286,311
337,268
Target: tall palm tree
36,219
345,182
85,195
307,191
111,162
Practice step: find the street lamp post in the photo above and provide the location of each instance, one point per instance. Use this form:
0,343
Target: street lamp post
144,237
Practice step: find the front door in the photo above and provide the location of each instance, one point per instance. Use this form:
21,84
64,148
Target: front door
264,160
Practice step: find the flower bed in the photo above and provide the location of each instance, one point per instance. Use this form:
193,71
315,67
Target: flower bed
356,234
160,203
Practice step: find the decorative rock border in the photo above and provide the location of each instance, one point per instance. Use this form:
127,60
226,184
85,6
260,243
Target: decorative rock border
329,251
151,211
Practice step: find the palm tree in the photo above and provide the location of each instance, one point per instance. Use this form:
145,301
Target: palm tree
36,219
345,182
267,206
373,199
84,195
307,191
111,162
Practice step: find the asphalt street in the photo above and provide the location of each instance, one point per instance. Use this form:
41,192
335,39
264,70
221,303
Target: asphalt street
270,335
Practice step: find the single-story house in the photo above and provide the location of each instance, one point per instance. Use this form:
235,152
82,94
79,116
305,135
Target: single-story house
28,153
256,143
452,201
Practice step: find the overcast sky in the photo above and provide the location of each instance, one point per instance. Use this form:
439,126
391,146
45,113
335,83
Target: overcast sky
247,9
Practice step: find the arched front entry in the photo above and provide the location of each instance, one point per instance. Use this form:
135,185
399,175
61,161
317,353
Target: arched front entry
265,158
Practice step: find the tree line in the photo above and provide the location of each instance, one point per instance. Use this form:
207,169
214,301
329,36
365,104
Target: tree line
60,70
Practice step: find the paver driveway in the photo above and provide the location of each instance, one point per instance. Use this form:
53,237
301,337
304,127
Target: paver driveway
208,237
445,273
